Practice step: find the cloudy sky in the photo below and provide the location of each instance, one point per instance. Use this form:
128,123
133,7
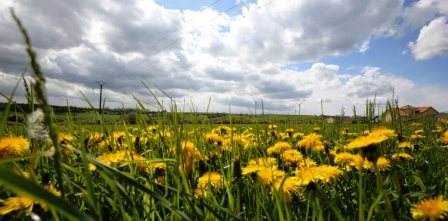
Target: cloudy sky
234,52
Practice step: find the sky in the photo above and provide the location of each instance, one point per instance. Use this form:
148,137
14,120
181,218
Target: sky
233,54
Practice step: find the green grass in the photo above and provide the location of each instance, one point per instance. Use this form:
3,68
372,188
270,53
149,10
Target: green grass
127,191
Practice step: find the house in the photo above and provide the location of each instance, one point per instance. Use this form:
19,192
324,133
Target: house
410,112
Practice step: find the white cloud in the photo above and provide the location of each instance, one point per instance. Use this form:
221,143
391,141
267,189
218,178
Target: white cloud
432,40
422,11
194,55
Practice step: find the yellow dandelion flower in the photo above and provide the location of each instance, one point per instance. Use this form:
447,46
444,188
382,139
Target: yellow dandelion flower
152,167
405,145
209,180
119,157
312,141
292,156
49,187
298,135
264,161
430,209
13,146
444,138
322,173
382,164
349,159
377,136
64,137
267,175
213,138
288,186
16,203
402,156
307,162
279,147
258,164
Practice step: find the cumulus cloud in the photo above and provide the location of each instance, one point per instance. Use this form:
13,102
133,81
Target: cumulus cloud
422,11
295,31
432,40
194,55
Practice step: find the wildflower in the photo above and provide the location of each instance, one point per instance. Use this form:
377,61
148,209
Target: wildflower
279,147
402,156
405,145
267,175
209,180
292,157
190,154
16,203
298,135
382,164
153,167
49,187
373,138
444,138
258,164
118,157
272,126
311,141
65,137
213,138
316,129
307,162
349,159
288,186
431,209
323,173
35,126
13,146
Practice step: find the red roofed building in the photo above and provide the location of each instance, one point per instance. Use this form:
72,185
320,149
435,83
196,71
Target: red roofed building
408,112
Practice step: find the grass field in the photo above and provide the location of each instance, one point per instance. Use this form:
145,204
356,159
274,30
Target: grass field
160,166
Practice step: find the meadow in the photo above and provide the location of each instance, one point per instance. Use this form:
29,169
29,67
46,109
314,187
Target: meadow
164,167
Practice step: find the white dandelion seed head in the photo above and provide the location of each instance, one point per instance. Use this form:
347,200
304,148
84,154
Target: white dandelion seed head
35,126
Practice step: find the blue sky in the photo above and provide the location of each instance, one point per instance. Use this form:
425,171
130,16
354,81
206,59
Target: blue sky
390,53
235,52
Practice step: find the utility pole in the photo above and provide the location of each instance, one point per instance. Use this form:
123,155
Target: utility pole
299,108
100,106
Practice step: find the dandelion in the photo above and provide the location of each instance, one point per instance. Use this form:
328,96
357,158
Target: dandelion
35,126
16,203
402,156
298,135
444,138
288,186
431,209
291,157
118,157
307,162
151,168
278,148
209,180
267,175
349,159
13,146
382,164
258,164
373,138
311,141
322,173
405,145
